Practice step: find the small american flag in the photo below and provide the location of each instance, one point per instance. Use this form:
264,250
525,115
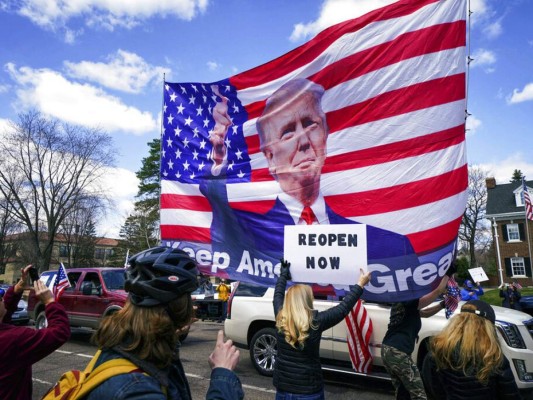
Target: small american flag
451,298
517,285
360,331
527,201
61,282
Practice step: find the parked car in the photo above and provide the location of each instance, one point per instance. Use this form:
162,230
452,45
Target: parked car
251,325
20,316
527,304
208,307
94,293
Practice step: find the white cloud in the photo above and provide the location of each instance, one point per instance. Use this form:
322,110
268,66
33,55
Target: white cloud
121,185
484,18
483,57
503,170
481,11
124,71
519,96
335,11
51,14
472,124
71,35
493,30
212,65
4,88
5,126
82,104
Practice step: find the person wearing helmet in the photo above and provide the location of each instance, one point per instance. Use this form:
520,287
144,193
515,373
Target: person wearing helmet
159,281
471,292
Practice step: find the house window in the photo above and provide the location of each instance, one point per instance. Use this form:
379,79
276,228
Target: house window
512,232
518,266
99,253
63,250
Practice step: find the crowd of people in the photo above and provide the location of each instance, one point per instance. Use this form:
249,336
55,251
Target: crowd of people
465,360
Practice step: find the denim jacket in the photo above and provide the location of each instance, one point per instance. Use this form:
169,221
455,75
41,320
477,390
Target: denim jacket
224,383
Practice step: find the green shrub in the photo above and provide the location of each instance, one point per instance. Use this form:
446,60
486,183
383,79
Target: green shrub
492,296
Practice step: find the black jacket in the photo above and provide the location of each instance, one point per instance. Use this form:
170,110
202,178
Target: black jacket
299,370
454,385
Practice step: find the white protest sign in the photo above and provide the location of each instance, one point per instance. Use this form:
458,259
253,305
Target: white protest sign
478,274
326,254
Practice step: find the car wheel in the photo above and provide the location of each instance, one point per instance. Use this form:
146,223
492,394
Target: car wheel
41,322
263,351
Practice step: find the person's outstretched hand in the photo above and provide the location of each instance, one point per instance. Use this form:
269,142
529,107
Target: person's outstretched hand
285,269
452,269
43,293
364,277
225,354
22,284
222,124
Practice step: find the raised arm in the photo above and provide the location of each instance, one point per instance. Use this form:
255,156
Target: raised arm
222,124
336,314
429,298
281,284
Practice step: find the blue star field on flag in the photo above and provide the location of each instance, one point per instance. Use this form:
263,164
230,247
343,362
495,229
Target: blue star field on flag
187,124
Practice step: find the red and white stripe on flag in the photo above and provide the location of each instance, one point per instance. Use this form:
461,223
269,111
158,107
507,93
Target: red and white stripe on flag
359,326
394,100
61,282
527,202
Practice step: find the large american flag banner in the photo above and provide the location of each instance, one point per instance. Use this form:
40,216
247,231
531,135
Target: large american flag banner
394,100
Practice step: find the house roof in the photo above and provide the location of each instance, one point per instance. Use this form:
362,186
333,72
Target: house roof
60,238
501,199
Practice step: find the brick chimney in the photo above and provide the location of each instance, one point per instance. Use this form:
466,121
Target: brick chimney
490,183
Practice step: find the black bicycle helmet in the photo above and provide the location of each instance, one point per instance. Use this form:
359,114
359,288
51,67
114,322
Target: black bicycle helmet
159,275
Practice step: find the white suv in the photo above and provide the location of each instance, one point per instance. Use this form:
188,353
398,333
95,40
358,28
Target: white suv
251,325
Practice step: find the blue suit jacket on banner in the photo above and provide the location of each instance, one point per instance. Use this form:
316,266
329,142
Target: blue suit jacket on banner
262,235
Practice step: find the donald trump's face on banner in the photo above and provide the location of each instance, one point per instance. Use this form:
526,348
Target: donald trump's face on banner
293,133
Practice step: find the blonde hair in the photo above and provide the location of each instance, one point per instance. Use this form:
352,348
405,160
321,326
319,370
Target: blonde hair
147,332
296,316
469,343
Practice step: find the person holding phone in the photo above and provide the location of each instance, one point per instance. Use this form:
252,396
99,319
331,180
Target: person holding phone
21,346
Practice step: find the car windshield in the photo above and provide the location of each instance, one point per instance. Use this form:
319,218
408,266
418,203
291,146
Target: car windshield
114,280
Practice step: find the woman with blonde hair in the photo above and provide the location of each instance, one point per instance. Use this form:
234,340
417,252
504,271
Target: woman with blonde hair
466,360
298,372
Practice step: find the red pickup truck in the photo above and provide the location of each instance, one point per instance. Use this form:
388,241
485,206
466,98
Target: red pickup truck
94,294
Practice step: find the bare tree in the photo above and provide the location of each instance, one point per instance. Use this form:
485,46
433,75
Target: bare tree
474,232
78,233
8,227
47,168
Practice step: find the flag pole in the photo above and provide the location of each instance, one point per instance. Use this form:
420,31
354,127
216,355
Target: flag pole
498,249
529,246
160,149
524,188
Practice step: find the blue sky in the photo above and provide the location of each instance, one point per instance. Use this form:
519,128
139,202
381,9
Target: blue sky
95,62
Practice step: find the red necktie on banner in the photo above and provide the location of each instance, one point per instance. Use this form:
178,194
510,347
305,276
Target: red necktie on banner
308,215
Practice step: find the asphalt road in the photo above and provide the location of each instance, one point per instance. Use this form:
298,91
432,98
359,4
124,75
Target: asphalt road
76,353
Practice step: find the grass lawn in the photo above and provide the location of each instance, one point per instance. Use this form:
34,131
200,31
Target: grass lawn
492,296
